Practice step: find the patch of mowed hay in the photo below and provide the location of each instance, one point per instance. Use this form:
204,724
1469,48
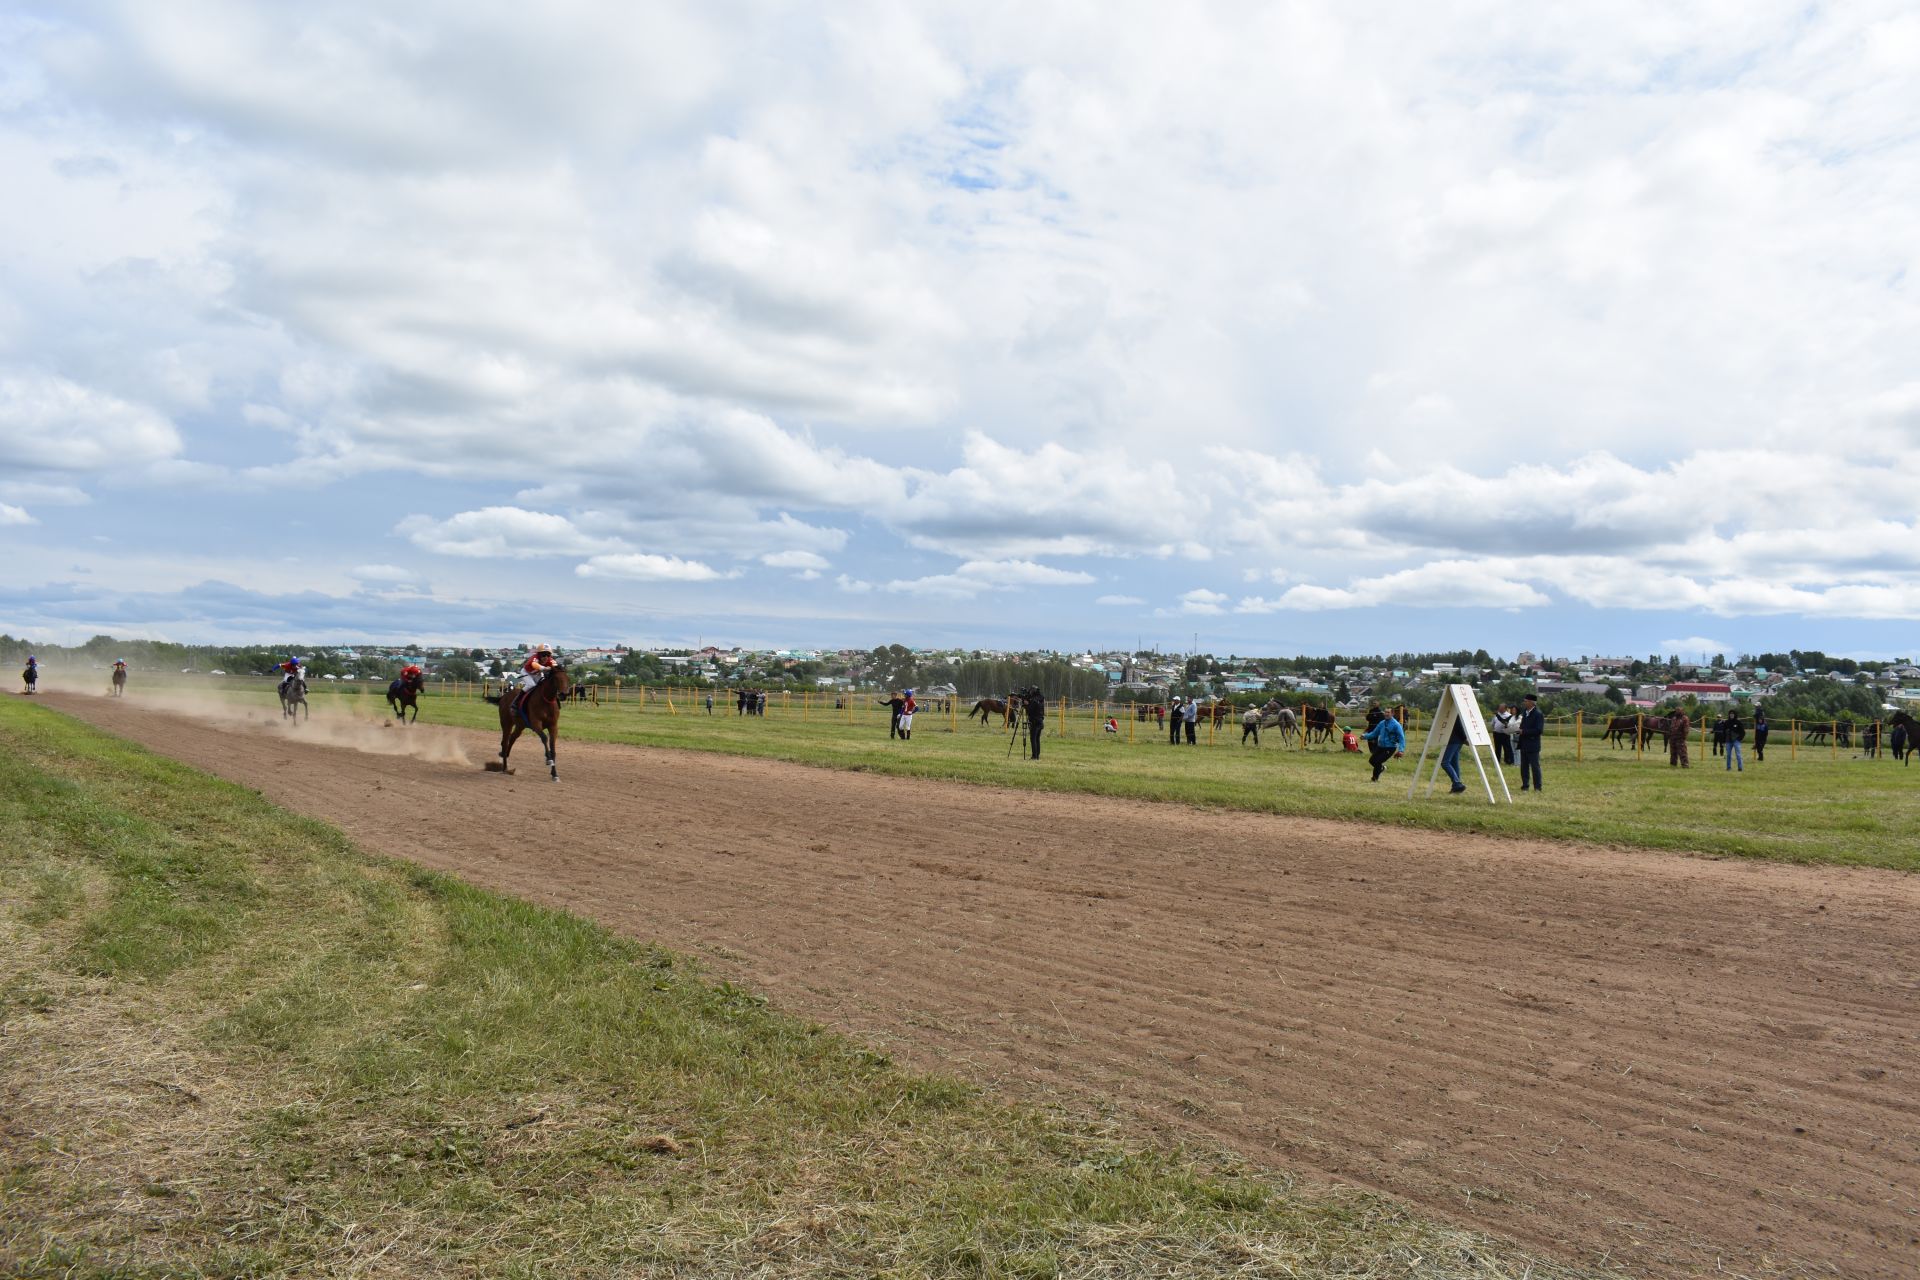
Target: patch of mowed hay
105,1111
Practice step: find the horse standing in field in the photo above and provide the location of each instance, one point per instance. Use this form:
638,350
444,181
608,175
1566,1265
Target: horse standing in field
1320,725
1901,735
1006,708
1270,716
403,693
538,710
293,699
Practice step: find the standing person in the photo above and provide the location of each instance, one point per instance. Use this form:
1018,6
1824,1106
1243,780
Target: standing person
1735,731
894,704
1450,758
709,702
1533,724
1036,707
1503,721
1159,715
1870,738
907,707
1389,741
1720,736
740,701
1759,733
1374,716
1678,728
1174,721
1191,716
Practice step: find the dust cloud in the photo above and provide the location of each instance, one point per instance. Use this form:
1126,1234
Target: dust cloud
327,725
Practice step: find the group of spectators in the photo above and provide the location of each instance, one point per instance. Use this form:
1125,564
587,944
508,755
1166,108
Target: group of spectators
746,702
1727,734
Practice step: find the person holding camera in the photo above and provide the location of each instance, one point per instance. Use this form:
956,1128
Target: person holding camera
1036,709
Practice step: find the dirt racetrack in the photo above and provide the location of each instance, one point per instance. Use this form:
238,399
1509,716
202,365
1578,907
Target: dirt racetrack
1674,1065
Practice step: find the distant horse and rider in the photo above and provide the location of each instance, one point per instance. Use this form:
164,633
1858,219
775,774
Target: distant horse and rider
293,698
118,686
537,709
404,693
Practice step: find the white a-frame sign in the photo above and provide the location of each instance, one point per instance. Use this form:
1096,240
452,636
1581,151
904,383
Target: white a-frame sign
1459,707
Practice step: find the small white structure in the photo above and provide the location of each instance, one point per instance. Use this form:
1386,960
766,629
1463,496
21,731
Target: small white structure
1459,706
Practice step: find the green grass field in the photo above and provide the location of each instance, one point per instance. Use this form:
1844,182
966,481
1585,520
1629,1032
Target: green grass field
1823,807
236,1046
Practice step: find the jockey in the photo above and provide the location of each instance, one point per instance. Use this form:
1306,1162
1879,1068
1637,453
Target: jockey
289,670
32,673
119,664
535,668
412,673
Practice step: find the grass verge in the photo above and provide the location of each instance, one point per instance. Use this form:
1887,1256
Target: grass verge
235,1046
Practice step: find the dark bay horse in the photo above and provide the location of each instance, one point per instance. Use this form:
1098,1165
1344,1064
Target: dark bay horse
119,682
1319,724
403,693
541,713
293,698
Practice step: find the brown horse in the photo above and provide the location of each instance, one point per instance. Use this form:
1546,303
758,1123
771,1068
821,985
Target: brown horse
1008,709
540,713
403,693
119,682
1318,724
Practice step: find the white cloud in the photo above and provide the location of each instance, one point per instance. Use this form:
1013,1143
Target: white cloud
640,567
1447,584
10,515
501,533
1120,600
381,573
1202,601
1691,647
805,560
51,423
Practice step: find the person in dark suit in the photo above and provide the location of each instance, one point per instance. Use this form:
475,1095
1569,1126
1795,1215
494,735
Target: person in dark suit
1036,720
1533,724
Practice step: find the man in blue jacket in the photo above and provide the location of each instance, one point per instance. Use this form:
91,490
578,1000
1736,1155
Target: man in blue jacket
1389,740
1533,723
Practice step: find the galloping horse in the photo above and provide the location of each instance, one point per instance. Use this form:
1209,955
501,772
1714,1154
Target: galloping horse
119,682
1007,708
293,698
1267,717
541,713
403,693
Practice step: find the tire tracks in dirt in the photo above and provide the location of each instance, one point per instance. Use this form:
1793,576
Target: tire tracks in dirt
1676,1065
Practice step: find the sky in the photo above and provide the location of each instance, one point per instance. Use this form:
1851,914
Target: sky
1278,328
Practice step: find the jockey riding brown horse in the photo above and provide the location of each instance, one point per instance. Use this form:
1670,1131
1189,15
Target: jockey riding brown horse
538,710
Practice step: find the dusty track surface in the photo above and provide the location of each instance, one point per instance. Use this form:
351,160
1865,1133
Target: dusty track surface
1674,1065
